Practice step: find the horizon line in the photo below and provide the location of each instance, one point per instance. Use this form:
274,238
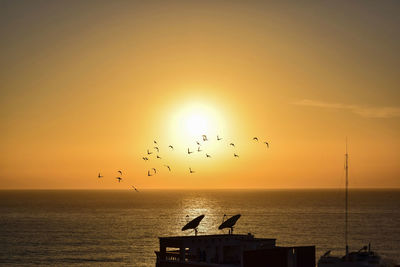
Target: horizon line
204,188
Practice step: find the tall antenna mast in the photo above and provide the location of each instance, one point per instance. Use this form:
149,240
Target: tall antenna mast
347,198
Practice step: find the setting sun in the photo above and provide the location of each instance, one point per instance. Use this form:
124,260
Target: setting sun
196,124
194,120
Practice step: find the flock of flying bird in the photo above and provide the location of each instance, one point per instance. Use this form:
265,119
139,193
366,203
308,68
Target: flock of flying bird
153,171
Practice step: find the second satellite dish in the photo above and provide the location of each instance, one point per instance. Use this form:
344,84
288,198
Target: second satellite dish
229,223
193,224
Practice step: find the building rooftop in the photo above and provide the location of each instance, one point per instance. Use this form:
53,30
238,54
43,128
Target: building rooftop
247,237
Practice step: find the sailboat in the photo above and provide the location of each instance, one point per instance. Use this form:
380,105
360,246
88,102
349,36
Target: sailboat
364,257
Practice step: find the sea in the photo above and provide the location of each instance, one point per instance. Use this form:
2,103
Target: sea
121,228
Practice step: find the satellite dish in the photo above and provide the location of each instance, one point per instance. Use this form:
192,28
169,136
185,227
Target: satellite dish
229,223
193,224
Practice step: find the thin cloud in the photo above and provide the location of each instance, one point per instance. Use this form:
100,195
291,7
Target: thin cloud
367,112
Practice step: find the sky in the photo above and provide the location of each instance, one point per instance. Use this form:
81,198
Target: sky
86,87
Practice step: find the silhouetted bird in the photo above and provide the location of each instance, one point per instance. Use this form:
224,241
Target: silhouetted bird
197,142
156,148
232,144
189,152
120,172
148,173
135,189
155,142
154,169
119,179
198,149
158,157
235,155
190,170
218,138
148,152
204,137
208,156
168,167
266,144
171,147
99,176
255,138
145,158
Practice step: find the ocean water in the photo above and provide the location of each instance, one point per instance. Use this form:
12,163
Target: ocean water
121,228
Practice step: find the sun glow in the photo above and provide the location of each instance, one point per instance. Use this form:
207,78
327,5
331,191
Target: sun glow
196,124
194,120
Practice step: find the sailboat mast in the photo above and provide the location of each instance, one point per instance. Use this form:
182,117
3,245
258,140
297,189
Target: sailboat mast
347,199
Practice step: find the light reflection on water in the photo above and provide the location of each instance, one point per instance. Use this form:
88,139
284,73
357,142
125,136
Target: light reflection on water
122,227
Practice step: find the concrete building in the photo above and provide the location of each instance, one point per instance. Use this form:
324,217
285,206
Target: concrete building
230,250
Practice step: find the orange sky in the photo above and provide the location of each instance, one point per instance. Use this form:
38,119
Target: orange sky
87,86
